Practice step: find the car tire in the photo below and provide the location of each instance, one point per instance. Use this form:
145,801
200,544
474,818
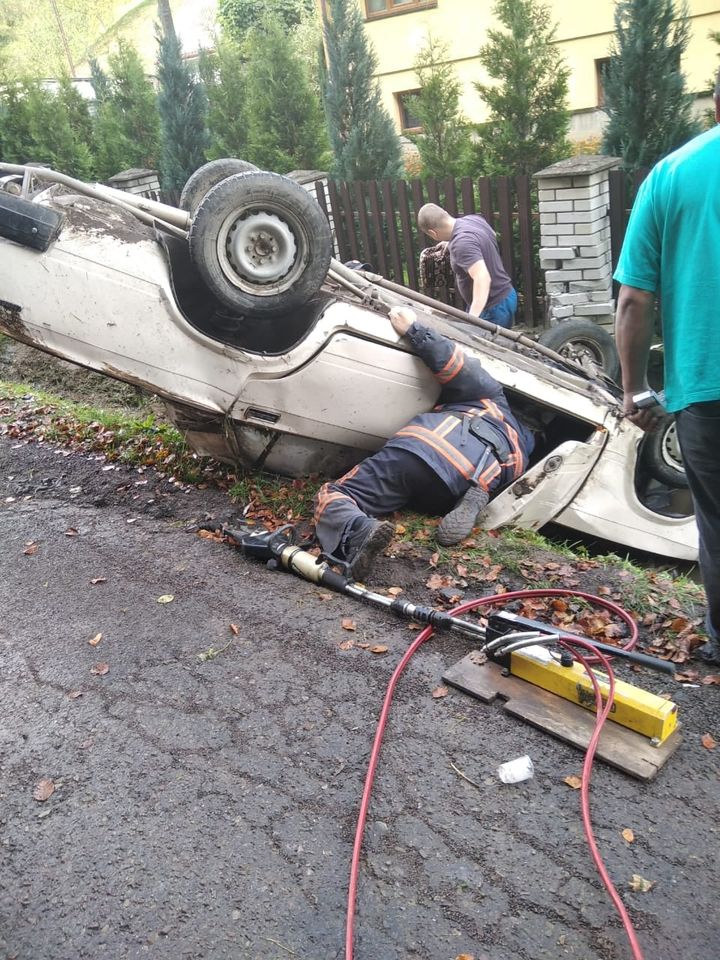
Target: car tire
579,339
660,456
207,176
261,244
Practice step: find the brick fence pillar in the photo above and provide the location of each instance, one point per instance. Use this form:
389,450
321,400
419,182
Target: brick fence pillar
574,197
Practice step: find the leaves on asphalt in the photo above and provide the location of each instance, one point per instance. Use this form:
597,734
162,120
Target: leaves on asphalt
379,648
234,628
439,692
74,694
71,532
96,580
348,623
709,742
395,591
573,781
31,549
628,836
94,641
346,645
100,669
43,790
640,884
166,598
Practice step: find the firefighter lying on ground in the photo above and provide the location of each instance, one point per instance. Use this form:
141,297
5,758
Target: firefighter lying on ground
448,462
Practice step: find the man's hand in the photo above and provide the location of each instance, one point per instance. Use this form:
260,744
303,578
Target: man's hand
402,318
647,419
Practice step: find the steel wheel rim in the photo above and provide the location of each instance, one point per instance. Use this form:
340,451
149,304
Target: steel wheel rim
582,350
670,449
262,249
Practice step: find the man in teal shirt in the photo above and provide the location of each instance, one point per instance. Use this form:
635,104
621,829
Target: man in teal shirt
672,250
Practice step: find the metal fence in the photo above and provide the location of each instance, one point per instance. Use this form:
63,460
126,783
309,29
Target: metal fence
376,222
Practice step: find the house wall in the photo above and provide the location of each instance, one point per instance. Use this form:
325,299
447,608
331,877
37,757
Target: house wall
584,35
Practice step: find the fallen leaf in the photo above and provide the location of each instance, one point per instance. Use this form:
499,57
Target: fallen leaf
573,781
709,742
348,624
100,669
362,646
346,645
97,580
31,549
71,532
325,596
465,956
166,598
400,529
44,789
640,884
439,692
94,641
461,570
379,648
395,591
628,835
710,679
434,559
74,694
235,628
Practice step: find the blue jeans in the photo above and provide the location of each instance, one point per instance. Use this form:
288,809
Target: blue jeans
698,428
503,313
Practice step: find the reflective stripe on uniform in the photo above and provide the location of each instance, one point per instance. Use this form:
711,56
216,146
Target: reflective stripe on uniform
441,446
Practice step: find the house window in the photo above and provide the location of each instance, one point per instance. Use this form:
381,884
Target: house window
600,68
386,8
409,120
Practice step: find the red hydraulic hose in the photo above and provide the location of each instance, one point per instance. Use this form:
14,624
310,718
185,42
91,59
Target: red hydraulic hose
587,767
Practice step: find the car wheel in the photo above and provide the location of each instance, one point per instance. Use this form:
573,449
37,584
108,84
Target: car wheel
660,455
207,176
261,243
583,340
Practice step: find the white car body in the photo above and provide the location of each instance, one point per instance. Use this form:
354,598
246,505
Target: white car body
102,296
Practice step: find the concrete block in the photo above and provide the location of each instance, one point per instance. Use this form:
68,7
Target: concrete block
595,309
603,274
584,286
557,253
548,218
559,313
596,250
587,263
589,229
572,299
564,275
602,296
552,183
544,195
594,203
586,193
556,206
555,288
583,216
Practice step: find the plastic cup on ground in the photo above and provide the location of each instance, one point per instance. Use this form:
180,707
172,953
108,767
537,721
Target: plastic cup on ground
515,771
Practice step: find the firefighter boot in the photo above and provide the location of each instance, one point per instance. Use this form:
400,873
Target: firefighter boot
364,545
458,524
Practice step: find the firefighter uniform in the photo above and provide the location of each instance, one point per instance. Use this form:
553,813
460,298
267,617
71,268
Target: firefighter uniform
470,437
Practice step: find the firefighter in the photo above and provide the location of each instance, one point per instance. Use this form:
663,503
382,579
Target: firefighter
447,462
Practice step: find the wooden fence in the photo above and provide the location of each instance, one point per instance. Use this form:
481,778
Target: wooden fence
375,222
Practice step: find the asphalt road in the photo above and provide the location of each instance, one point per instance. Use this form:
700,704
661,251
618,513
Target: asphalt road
206,808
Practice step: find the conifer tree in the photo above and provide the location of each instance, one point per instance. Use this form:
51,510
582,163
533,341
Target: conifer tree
127,123
529,117
445,139
47,127
286,129
239,17
648,106
224,75
362,135
183,113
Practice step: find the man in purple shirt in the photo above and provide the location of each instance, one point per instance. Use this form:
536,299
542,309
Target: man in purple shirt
475,259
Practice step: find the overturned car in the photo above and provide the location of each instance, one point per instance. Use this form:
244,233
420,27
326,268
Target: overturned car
270,355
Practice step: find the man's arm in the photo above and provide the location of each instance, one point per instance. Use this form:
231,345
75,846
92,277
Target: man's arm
461,376
481,279
633,336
